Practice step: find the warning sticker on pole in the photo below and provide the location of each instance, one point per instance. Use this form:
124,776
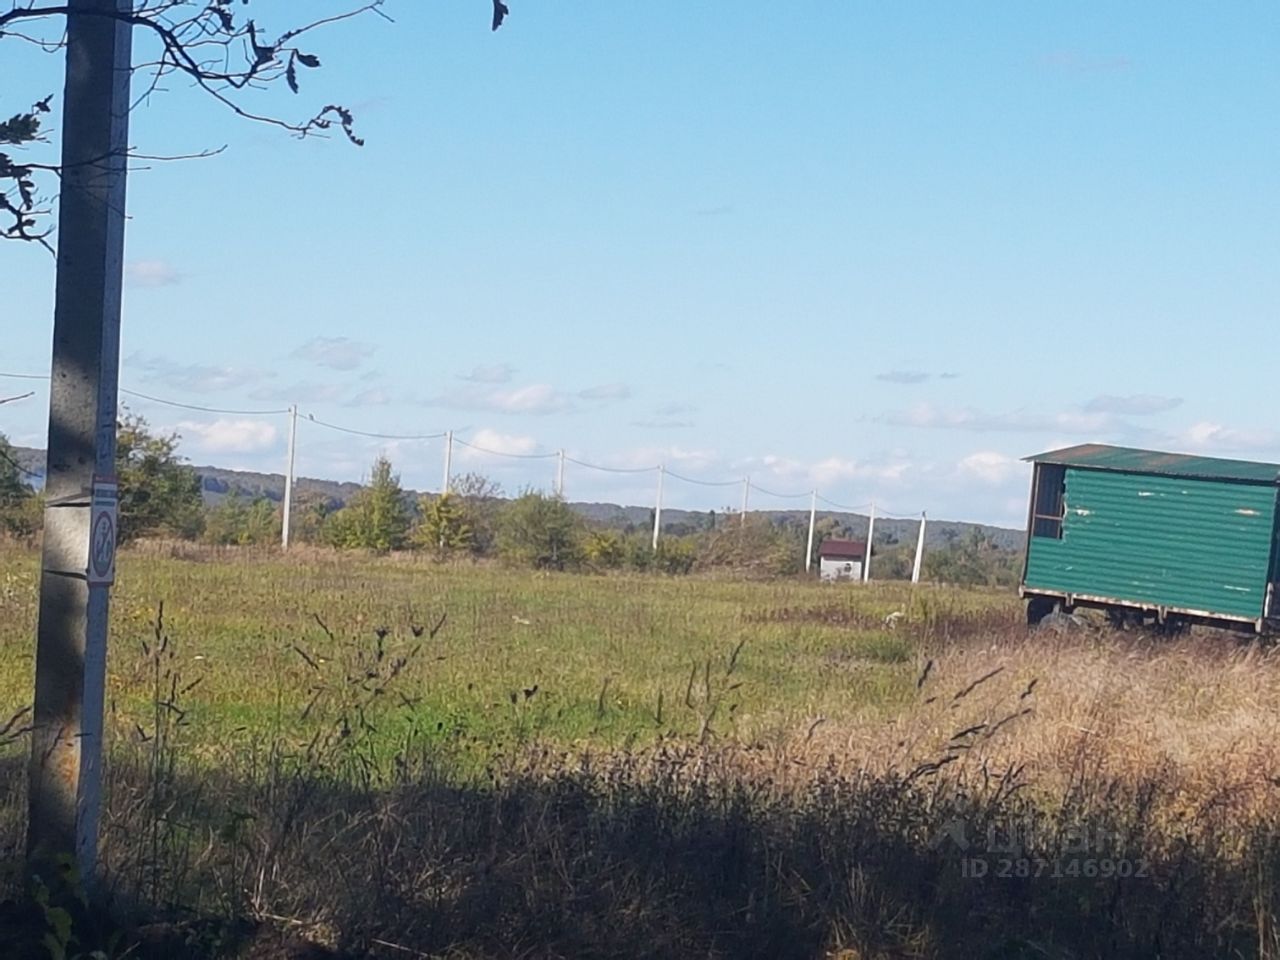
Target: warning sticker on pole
102,531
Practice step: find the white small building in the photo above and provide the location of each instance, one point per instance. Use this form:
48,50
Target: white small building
841,559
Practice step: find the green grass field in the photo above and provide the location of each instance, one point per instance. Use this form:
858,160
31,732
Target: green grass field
606,659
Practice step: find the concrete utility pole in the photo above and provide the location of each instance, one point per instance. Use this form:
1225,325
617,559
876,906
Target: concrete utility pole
448,463
813,517
287,512
77,566
915,567
560,475
746,491
657,510
871,537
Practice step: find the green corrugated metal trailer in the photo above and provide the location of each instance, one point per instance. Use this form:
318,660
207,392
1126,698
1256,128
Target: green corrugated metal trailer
1153,537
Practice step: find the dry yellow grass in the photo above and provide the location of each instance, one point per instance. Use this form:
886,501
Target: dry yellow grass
1203,712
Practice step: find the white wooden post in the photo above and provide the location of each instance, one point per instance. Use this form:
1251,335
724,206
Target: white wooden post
657,510
287,510
871,536
915,567
813,516
448,463
560,476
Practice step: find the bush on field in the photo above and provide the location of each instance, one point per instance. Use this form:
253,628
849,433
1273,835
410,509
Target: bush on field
21,510
975,560
542,531
676,555
237,522
755,546
444,527
159,492
481,500
377,518
606,549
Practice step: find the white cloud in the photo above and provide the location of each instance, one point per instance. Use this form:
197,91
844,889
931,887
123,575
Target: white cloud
798,475
990,467
668,416
1135,405
606,391
678,458
494,442
537,398
375,397
905,377
229,436
336,353
1216,437
151,273
779,466
1074,422
833,469
195,377
490,373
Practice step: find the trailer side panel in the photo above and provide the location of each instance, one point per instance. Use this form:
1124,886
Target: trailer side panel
1158,541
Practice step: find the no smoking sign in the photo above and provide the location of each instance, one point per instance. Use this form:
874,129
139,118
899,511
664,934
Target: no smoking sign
102,532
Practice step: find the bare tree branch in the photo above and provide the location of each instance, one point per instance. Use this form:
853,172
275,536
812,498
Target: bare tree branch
212,43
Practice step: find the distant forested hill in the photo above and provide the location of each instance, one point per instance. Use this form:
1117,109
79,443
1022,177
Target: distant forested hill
217,482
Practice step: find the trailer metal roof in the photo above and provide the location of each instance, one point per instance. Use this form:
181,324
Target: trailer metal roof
1101,456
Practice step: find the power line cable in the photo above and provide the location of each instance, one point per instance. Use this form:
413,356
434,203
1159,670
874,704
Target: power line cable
436,436
311,418
843,506
704,483
596,466
21,396
155,399
19,467
500,453
780,496
196,406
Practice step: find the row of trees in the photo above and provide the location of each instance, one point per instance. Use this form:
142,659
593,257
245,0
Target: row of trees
160,496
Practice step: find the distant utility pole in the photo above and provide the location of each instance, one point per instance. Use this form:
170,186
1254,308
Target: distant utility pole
813,516
287,513
77,565
560,475
746,491
915,567
657,510
448,463
871,537
448,479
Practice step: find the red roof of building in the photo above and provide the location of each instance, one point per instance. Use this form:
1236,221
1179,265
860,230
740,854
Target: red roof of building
843,550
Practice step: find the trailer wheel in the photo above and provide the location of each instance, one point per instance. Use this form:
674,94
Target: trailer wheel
1122,618
1037,609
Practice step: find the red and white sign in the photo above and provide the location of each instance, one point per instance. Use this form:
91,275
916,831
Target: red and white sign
102,531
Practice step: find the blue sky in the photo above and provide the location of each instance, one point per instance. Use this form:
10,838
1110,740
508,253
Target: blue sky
880,249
